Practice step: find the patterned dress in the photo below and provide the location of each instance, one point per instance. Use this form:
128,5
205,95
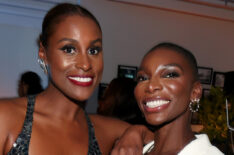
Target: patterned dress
21,145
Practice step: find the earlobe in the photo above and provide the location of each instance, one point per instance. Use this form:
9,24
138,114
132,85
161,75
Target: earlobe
42,59
42,53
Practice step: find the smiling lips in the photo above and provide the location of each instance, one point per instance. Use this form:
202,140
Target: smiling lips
84,81
156,105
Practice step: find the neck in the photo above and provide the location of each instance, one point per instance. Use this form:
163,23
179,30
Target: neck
54,103
173,136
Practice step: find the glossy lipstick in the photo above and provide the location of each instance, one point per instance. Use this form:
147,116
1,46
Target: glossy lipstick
83,81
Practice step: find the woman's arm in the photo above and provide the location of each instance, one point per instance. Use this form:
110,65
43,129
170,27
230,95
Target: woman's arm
11,122
4,130
132,141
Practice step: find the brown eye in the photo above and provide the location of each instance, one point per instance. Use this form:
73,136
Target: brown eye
141,78
94,51
171,75
68,49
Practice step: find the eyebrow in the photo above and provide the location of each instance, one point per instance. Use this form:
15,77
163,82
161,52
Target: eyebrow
174,65
75,41
97,40
67,39
165,66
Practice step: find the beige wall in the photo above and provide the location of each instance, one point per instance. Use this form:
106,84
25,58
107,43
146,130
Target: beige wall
129,31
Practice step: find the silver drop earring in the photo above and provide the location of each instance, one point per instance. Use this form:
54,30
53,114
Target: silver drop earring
42,65
194,105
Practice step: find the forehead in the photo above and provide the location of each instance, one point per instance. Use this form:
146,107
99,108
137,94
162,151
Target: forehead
76,24
163,56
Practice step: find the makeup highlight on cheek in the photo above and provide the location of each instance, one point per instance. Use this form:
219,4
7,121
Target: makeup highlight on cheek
172,87
67,62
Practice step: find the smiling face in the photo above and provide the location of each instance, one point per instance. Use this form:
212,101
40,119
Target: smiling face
74,56
165,86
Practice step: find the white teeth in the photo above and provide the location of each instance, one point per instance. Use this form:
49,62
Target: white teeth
156,103
81,79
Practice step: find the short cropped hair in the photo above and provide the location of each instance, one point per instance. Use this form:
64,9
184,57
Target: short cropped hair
181,50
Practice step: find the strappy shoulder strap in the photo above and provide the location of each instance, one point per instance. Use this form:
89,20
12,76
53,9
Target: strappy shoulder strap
21,145
93,144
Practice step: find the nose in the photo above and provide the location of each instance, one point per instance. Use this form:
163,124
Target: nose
154,85
83,62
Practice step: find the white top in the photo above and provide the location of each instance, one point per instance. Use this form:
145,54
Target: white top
200,146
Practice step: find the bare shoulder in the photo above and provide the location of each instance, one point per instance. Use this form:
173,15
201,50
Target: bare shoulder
10,106
12,112
109,123
107,131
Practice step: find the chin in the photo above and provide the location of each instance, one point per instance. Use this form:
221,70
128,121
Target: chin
82,98
79,97
155,121
81,94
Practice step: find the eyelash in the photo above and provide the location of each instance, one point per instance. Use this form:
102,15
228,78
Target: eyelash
71,49
141,78
68,49
96,50
171,75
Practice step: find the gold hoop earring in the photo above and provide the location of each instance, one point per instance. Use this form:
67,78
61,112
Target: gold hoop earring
194,105
42,65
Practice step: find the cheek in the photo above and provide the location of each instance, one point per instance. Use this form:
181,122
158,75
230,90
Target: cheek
59,67
98,66
57,61
139,94
179,90
136,92
175,87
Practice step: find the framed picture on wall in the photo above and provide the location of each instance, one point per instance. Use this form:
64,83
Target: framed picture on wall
205,74
218,79
205,92
127,71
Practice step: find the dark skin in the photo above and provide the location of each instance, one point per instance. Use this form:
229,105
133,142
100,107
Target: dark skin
75,64
165,88
72,139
